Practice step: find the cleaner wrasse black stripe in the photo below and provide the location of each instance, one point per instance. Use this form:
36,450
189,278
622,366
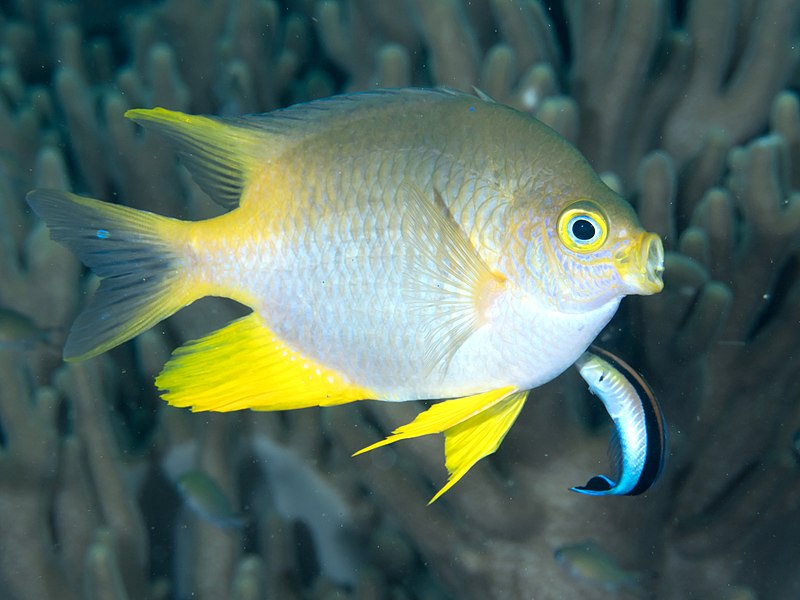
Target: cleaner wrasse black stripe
639,441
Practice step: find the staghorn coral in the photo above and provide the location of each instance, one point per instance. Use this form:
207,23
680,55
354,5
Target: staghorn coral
740,308
664,97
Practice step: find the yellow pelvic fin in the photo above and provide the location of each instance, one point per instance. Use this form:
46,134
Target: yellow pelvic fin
244,365
469,441
137,255
221,154
473,428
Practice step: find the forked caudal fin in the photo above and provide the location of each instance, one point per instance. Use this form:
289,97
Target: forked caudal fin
137,256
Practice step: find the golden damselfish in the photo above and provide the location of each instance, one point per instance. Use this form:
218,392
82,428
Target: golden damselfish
393,245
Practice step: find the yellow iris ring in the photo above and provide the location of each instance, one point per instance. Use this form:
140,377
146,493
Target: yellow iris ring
593,215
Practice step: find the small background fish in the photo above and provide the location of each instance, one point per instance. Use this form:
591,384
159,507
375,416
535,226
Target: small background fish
207,499
594,567
19,331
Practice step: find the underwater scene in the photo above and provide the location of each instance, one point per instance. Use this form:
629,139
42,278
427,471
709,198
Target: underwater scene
560,240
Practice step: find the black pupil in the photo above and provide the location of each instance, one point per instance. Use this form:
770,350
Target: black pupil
583,229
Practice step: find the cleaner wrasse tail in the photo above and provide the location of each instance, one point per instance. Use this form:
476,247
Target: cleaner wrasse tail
139,257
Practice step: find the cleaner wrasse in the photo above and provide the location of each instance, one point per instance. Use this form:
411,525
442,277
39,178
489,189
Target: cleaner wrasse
639,440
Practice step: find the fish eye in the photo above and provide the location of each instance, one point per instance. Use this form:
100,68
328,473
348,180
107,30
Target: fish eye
582,228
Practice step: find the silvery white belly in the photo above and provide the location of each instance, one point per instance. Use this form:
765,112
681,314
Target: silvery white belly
524,346
360,323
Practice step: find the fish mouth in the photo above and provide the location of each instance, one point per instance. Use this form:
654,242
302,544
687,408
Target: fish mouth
642,273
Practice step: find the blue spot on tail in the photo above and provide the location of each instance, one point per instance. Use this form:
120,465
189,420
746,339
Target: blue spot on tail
103,234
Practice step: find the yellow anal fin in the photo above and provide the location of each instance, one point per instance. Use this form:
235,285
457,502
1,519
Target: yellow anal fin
244,365
473,428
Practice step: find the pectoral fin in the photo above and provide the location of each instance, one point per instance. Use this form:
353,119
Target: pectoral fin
473,428
448,285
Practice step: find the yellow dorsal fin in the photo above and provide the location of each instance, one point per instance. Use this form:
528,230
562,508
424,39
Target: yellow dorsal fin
244,365
221,154
473,427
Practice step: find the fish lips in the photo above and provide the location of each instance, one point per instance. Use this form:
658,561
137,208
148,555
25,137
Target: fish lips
642,268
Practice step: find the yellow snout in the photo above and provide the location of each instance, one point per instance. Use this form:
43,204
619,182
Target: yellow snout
642,266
